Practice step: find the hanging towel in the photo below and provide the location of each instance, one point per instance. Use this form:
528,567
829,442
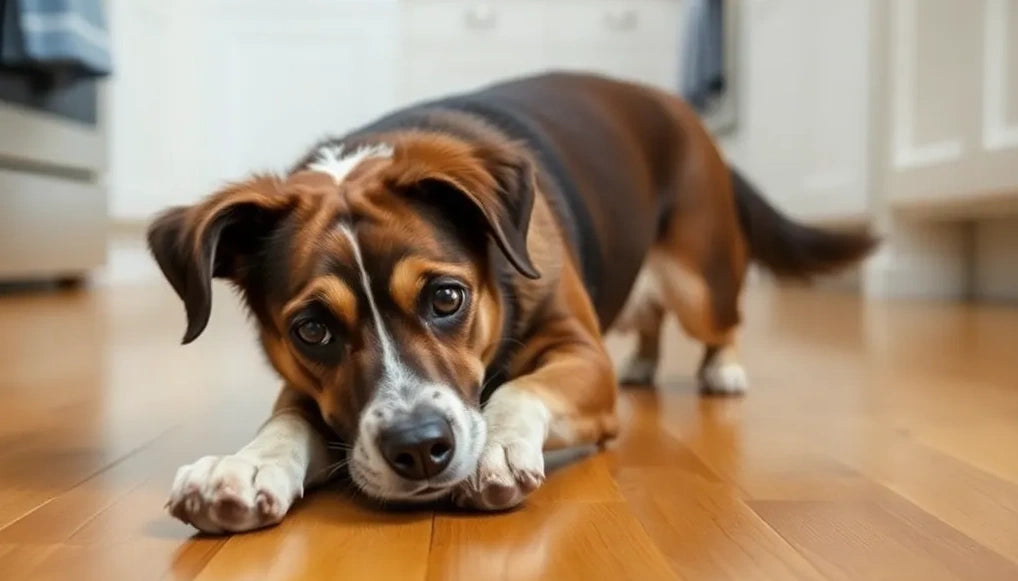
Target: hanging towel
703,74
59,39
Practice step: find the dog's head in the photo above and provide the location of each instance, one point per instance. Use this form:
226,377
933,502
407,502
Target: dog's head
372,275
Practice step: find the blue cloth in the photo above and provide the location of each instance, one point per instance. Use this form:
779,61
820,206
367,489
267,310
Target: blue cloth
703,72
65,37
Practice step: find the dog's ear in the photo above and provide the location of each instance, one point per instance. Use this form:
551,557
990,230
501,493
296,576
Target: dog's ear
498,180
213,238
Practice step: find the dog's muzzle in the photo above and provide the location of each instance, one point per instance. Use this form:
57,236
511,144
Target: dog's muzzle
416,444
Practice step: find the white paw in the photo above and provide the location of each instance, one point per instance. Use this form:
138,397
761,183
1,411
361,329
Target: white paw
220,494
724,379
507,472
638,371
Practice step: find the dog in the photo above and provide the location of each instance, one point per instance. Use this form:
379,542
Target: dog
433,287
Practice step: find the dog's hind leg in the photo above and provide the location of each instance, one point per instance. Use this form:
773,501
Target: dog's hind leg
700,261
641,368
643,314
707,310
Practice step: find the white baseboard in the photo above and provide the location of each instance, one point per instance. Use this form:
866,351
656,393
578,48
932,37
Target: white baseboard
921,260
995,255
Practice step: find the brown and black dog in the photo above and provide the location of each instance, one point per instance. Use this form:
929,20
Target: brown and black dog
433,288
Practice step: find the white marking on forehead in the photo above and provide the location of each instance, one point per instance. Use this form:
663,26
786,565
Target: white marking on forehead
331,160
394,373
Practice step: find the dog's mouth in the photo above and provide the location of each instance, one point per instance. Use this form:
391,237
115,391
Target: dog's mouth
430,490
429,494
424,494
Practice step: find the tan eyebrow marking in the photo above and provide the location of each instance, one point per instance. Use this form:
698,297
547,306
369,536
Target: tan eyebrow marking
333,292
315,221
411,273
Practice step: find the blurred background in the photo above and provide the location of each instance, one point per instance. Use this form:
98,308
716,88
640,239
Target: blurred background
900,114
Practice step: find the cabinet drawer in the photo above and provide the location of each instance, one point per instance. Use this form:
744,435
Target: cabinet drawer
451,21
643,22
49,226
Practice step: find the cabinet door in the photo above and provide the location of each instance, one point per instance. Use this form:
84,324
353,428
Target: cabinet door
803,127
952,100
288,75
833,103
634,40
458,45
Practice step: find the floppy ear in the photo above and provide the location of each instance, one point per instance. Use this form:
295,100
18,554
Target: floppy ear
193,244
498,180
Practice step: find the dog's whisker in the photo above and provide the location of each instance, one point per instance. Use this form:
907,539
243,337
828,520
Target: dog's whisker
338,466
330,469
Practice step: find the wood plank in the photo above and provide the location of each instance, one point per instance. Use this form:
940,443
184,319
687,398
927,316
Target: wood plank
705,529
561,541
981,505
330,537
147,557
885,539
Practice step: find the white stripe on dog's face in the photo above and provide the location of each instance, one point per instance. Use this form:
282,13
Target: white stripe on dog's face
394,373
398,393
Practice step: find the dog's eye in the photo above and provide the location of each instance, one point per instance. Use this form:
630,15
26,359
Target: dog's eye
447,299
313,333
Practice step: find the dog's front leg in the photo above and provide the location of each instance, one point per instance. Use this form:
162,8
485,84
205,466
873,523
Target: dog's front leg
569,400
255,487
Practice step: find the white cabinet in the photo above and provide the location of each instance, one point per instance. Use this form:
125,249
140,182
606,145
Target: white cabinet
851,104
948,145
883,113
209,90
953,100
628,39
457,45
450,46
289,74
803,131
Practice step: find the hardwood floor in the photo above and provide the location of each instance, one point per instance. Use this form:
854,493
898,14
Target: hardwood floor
878,442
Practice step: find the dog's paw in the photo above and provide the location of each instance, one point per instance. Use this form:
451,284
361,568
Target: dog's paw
219,494
507,472
719,378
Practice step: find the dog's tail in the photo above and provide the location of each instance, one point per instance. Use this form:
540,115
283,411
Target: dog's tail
787,248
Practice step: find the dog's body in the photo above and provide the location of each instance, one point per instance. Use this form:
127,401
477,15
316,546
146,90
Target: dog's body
473,250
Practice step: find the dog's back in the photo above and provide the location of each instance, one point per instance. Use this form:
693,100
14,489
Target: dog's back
655,218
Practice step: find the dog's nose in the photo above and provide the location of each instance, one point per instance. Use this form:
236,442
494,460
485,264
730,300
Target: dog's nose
420,447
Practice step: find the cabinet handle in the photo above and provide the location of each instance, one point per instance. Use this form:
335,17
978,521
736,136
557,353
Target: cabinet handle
624,20
480,18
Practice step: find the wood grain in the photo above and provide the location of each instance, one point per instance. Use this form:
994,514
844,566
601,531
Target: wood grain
879,441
